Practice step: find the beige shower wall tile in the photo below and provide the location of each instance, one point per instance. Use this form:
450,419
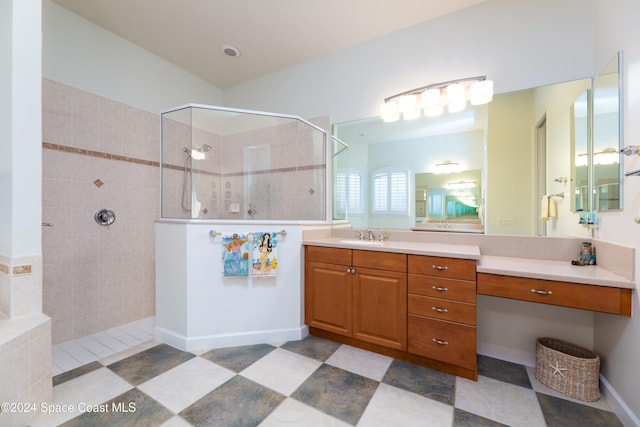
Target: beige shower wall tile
111,117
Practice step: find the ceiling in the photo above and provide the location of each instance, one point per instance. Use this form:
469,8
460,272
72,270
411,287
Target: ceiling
269,34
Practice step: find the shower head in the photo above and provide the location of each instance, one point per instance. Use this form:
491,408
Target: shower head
197,153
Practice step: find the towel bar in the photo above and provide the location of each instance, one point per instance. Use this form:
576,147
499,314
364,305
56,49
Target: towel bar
214,233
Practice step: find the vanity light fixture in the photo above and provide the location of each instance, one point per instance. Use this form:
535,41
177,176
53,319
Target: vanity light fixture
432,98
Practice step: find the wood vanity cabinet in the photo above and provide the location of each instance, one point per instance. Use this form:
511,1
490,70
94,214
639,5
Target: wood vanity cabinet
605,299
442,310
357,293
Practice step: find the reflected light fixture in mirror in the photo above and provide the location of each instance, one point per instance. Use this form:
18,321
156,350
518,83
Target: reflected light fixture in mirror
460,185
447,167
431,99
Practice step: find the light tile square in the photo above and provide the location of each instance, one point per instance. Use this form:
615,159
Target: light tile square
78,352
183,385
506,403
294,413
94,388
64,360
361,362
122,336
99,349
175,421
393,406
281,370
108,341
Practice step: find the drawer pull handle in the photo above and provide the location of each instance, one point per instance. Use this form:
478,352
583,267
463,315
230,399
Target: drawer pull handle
440,267
440,310
536,291
439,289
440,342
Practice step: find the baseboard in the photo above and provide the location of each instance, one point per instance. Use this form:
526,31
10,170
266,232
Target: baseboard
617,405
229,340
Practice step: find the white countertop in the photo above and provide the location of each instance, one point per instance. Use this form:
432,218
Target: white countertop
414,248
552,270
506,266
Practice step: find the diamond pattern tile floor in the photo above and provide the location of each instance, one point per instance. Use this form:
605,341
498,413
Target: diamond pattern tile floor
311,382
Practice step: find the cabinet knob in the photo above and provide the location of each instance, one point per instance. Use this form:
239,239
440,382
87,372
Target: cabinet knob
348,270
440,342
439,289
440,310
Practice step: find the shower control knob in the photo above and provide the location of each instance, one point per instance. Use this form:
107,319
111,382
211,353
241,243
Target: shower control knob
104,217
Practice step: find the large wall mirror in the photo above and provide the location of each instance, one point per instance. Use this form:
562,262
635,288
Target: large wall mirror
521,145
607,137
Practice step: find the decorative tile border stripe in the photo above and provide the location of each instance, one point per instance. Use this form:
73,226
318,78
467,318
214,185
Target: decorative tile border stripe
20,270
101,154
84,152
4,269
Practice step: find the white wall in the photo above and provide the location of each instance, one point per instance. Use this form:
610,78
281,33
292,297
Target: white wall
617,339
85,56
20,76
517,43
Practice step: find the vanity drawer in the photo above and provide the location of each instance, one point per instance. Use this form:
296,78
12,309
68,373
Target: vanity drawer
440,340
380,260
566,294
327,255
437,308
452,289
452,268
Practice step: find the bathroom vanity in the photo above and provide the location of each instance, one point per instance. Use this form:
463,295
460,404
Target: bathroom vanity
416,300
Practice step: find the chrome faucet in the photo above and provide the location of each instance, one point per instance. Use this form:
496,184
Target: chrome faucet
371,236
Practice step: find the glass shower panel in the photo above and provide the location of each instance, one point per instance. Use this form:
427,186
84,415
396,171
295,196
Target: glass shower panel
340,163
222,163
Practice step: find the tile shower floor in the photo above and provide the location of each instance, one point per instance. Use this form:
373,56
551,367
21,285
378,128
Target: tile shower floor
133,380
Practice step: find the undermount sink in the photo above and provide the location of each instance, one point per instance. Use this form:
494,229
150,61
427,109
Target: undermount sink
362,242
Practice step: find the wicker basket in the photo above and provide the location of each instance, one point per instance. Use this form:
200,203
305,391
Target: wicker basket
568,368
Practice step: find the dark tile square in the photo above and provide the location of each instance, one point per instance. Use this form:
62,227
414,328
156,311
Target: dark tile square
426,382
501,370
467,419
565,413
149,363
133,408
337,392
238,402
75,373
238,358
313,347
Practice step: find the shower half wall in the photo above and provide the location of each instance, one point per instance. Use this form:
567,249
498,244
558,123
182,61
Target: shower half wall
227,171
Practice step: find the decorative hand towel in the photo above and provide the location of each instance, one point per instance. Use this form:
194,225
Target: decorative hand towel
553,212
545,207
265,254
235,254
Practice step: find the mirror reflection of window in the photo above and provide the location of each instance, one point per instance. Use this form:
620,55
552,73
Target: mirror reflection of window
390,186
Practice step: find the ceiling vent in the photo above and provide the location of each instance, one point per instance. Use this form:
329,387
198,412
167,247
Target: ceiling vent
230,51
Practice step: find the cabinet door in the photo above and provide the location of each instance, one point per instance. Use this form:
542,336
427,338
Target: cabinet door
328,297
380,307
